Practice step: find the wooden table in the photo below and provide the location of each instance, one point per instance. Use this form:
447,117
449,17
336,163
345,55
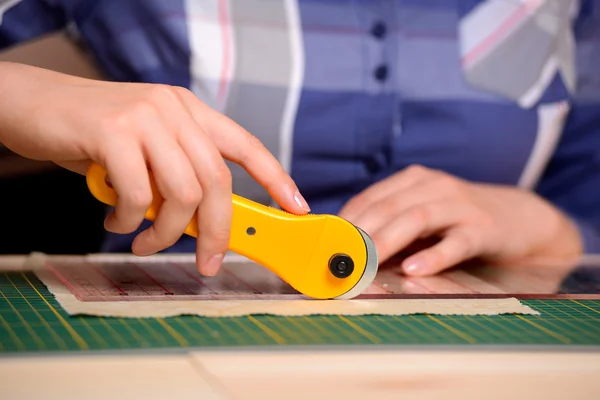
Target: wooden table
297,374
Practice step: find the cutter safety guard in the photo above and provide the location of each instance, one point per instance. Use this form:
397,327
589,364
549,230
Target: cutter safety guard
297,248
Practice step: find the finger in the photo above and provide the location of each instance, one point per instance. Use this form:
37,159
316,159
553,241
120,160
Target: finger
419,221
177,184
126,168
239,146
216,208
398,183
457,246
379,213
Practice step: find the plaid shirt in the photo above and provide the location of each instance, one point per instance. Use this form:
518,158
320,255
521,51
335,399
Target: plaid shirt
347,92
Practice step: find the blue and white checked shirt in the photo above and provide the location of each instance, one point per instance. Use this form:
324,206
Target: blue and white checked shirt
348,92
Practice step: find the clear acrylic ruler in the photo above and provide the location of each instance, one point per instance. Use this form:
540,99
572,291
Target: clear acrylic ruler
174,277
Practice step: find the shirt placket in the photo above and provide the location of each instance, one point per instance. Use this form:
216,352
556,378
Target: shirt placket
376,127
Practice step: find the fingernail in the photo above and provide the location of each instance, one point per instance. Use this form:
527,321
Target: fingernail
212,265
138,248
300,201
108,223
414,266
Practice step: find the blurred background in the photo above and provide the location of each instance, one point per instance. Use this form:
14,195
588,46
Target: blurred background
44,207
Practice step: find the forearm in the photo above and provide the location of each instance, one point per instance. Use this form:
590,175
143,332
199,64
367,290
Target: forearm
14,89
21,100
589,236
565,239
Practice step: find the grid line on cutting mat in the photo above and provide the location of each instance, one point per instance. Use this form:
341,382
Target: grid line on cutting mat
32,320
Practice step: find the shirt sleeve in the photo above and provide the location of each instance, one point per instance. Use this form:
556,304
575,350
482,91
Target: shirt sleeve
23,20
572,178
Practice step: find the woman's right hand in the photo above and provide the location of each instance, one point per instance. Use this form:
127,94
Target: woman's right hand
130,127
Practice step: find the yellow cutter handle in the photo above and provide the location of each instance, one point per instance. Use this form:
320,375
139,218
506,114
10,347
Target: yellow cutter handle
296,248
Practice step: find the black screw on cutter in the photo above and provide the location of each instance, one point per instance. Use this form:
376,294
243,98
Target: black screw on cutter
341,266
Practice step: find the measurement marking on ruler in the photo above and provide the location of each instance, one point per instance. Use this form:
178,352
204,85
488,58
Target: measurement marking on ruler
453,330
241,280
195,278
360,330
449,278
381,287
78,339
64,281
152,278
113,283
267,330
545,330
417,284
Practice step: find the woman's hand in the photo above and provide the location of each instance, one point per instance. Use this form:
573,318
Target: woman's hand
128,128
495,223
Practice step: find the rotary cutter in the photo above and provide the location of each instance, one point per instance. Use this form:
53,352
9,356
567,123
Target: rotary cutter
320,256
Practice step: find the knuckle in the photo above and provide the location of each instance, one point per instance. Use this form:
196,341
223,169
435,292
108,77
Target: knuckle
465,242
222,174
139,198
143,110
128,120
416,169
161,93
190,196
254,144
420,214
486,221
123,225
120,122
181,91
385,207
219,236
449,184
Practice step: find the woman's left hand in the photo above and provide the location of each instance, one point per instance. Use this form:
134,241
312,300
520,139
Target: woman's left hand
494,223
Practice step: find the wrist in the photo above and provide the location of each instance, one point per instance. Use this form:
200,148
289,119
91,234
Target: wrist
563,238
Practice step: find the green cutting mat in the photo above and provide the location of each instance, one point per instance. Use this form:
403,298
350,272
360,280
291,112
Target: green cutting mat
31,320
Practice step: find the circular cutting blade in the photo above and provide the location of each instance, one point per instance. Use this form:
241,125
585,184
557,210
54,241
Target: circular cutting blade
369,272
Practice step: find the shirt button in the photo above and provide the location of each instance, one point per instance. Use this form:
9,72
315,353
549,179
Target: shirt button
381,73
373,165
378,30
